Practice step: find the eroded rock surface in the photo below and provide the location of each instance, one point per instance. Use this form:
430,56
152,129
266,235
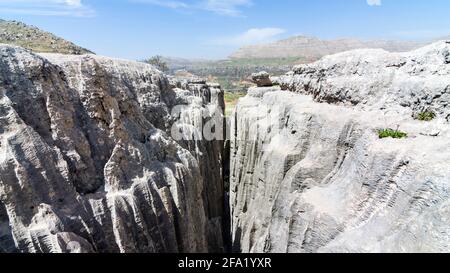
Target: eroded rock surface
309,172
262,79
377,79
88,164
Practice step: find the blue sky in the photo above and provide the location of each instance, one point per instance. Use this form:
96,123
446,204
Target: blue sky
135,29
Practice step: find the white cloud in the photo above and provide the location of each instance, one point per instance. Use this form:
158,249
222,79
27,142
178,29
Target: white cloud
74,3
251,37
165,3
374,2
46,7
221,7
226,7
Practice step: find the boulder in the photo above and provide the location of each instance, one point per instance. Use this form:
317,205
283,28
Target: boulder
262,79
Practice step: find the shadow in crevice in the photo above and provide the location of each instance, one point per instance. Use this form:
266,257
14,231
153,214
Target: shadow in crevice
226,220
236,248
7,244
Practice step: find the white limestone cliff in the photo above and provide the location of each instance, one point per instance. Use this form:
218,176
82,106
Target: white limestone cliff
309,172
87,162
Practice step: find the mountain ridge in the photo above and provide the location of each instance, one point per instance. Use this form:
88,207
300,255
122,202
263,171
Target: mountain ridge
37,40
315,48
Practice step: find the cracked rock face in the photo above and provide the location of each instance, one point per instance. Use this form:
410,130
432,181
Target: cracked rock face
309,172
87,162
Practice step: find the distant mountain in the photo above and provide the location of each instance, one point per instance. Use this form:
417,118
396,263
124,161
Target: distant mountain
314,48
30,37
176,63
276,58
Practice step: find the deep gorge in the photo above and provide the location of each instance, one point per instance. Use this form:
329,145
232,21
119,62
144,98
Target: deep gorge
89,161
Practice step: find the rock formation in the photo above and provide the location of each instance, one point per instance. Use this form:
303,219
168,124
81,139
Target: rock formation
262,79
108,155
309,172
376,79
209,108
88,164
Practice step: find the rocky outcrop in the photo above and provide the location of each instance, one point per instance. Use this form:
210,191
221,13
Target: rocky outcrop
262,79
375,79
209,151
309,172
88,162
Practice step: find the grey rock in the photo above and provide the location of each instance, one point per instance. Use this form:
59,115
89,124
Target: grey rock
87,163
310,174
375,79
262,79
209,100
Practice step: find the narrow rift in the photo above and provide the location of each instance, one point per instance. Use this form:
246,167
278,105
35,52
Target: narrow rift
6,238
226,223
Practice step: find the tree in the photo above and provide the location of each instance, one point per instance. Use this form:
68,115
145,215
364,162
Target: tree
158,62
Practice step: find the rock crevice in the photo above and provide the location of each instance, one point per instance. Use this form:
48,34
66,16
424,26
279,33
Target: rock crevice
106,155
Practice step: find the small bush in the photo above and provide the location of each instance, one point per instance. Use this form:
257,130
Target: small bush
158,62
385,133
426,116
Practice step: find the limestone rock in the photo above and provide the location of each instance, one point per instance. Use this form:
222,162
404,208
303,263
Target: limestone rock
375,79
262,79
207,107
88,164
310,174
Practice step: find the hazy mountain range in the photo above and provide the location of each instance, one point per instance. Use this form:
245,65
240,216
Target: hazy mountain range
278,57
314,48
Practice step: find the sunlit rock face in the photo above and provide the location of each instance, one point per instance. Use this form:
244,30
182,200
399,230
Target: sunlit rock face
107,155
309,172
376,79
88,163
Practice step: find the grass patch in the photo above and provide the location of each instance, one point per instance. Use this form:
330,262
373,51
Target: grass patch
231,99
426,116
385,133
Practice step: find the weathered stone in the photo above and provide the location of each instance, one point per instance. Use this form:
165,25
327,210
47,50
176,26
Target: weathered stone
87,162
375,79
309,172
262,79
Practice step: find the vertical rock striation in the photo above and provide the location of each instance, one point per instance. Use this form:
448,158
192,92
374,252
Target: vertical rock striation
309,172
87,161
206,115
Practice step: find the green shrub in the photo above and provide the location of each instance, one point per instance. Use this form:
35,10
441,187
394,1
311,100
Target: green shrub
158,62
426,116
385,133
